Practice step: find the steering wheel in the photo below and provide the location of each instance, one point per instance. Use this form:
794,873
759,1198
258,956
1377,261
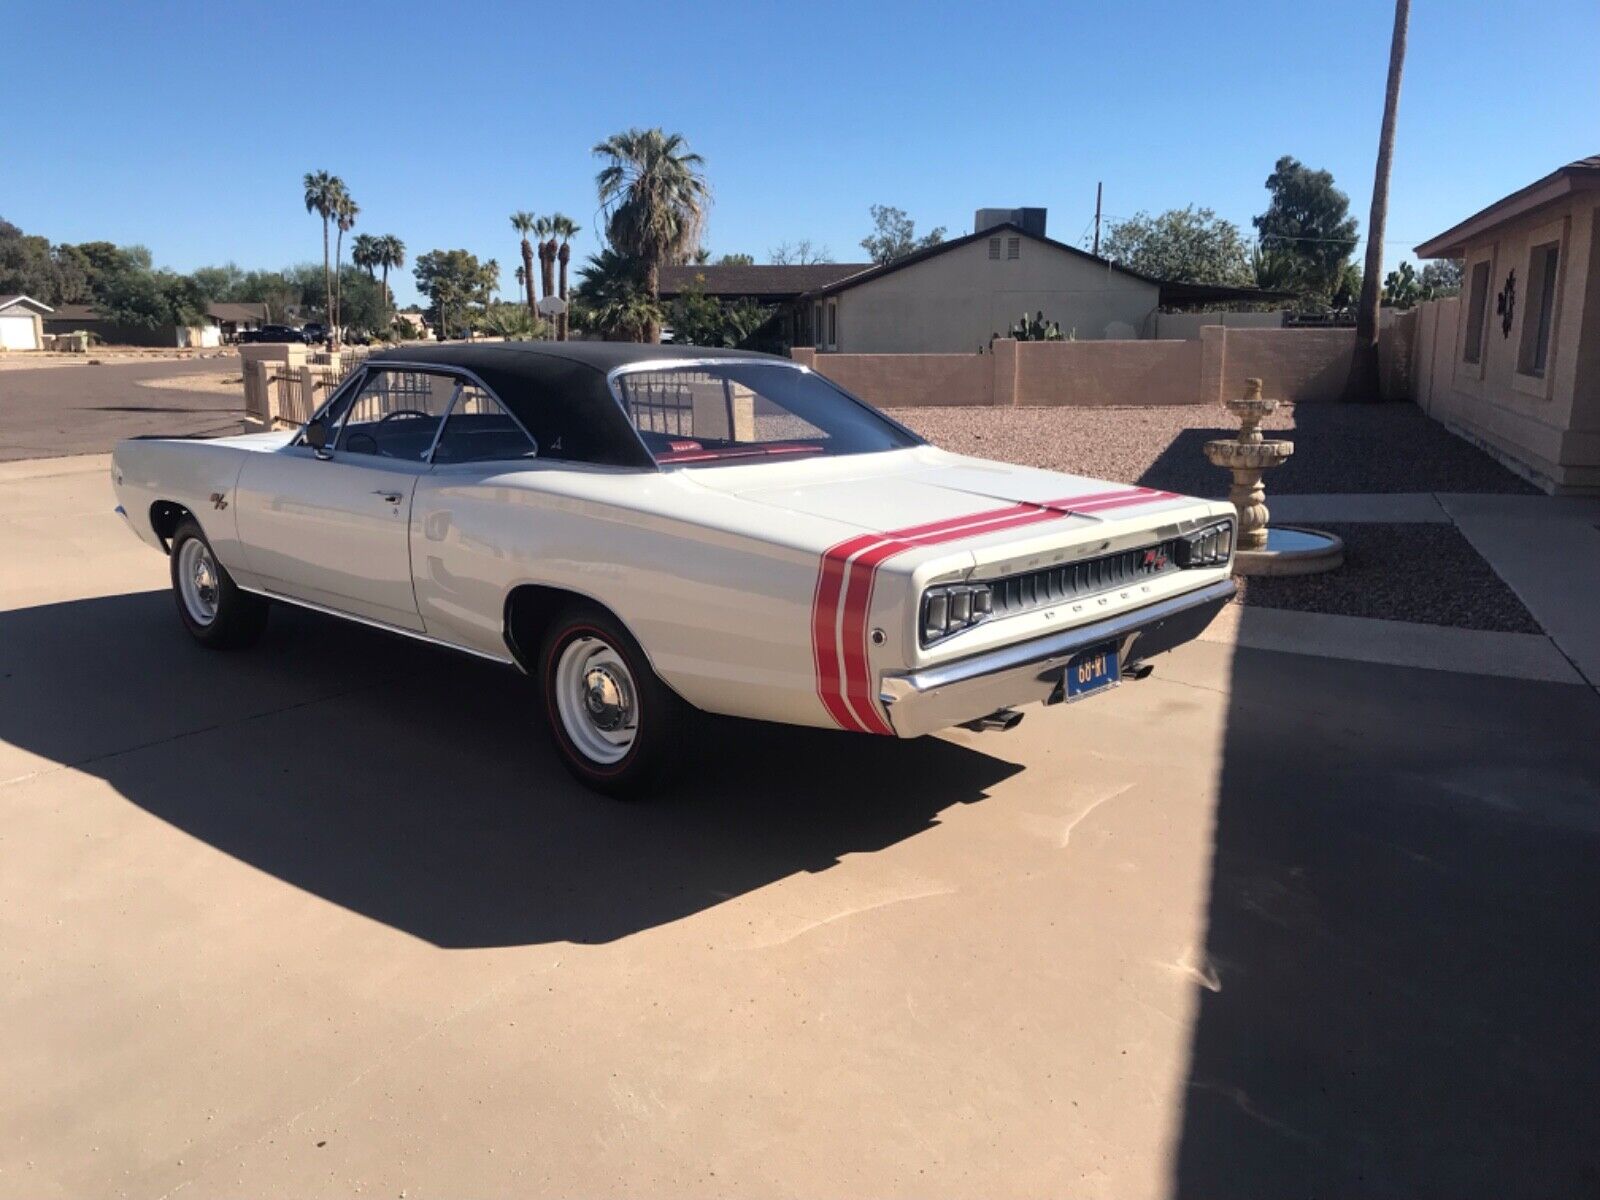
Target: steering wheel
404,412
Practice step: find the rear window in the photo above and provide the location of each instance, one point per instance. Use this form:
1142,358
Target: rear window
713,413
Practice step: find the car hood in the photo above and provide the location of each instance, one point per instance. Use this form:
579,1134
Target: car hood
908,490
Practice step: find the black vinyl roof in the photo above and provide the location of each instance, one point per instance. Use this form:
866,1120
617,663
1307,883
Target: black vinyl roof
558,389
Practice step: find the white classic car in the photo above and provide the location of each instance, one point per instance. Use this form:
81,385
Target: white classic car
649,531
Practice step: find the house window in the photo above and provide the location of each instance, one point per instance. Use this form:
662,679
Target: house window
1013,247
816,325
1535,346
833,324
1477,310
994,248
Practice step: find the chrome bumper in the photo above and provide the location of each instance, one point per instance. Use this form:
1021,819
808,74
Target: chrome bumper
950,693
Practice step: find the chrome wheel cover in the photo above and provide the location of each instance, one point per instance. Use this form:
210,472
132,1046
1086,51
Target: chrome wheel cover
199,581
596,699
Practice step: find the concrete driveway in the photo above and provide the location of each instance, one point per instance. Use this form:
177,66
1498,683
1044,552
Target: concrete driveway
327,916
52,410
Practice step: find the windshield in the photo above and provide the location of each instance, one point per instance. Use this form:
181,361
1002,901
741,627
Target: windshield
724,412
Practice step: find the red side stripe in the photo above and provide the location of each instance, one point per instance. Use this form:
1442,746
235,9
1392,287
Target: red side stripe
824,634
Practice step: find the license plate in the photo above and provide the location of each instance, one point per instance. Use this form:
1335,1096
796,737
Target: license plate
1091,671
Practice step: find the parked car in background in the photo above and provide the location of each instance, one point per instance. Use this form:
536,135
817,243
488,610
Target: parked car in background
315,332
272,333
649,531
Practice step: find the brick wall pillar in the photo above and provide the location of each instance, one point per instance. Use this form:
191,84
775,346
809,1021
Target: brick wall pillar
1213,361
1003,360
806,356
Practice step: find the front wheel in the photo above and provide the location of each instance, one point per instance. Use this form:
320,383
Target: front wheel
212,607
615,724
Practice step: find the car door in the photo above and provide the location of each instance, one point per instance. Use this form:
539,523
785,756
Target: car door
331,526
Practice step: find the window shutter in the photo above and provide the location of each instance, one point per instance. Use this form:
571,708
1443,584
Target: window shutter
1014,247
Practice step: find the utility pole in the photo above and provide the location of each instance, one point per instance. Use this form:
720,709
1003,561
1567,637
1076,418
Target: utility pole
1097,188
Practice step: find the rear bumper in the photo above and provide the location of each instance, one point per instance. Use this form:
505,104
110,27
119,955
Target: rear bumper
948,694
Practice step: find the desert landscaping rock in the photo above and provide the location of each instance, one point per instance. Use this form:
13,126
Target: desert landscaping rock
1424,573
1338,447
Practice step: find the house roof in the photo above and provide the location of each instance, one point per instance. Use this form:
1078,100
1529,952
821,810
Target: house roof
765,281
16,298
1172,293
1580,175
911,260
227,310
75,312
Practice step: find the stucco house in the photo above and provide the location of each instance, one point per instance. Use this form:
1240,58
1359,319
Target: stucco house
21,322
73,318
1513,363
954,297
234,317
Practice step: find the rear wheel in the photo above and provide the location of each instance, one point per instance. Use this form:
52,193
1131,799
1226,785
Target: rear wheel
213,609
617,727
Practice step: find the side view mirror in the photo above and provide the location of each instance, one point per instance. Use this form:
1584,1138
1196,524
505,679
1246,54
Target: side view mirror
317,435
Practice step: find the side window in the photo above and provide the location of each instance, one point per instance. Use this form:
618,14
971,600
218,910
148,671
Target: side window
1477,309
395,414
479,429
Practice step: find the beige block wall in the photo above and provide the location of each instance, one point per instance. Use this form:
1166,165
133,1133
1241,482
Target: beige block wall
1099,373
908,380
962,297
1549,427
1298,364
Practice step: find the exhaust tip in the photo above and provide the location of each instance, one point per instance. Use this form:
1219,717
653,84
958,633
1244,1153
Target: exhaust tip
1000,719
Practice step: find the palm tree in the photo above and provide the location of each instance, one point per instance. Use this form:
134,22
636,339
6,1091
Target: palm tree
655,199
523,223
321,192
364,253
391,255
610,298
566,229
543,229
1362,382
345,212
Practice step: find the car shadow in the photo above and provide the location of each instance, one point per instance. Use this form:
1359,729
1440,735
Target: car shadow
415,785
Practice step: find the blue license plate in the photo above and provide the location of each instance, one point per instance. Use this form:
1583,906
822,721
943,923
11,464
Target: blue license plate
1092,671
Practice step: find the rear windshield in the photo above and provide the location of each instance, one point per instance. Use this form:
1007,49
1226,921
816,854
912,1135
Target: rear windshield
734,412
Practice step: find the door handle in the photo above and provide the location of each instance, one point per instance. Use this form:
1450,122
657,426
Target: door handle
388,497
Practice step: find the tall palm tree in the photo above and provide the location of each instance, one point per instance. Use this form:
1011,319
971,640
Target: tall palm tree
345,211
321,192
655,198
566,229
391,256
1362,382
543,229
523,223
364,253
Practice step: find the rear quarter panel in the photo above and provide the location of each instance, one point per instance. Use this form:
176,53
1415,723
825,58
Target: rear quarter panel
193,474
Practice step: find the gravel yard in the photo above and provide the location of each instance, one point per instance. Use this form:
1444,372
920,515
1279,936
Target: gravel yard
1338,447
1425,573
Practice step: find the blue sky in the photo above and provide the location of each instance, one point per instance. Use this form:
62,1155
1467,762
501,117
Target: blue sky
187,127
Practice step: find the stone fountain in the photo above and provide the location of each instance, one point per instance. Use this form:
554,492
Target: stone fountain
1263,549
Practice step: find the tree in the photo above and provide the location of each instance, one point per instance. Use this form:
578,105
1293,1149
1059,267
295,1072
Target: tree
611,299
1187,245
391,256
345,212
655,198
801,254
701,320
512,321
566,229
895,235
1441,278
544,230
736,260
322,191
26,266
523,222
1309,220
364,253
452,279
1362,382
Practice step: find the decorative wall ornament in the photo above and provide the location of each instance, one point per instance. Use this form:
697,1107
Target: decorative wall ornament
1506,304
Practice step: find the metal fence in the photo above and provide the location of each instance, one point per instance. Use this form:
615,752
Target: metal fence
663,401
